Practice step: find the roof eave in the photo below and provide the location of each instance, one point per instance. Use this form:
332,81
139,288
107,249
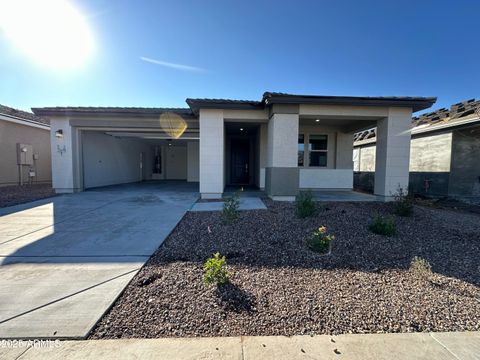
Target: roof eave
416,104
73,113
196,105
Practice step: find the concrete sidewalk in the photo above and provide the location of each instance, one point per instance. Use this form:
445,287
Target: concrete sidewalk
438,346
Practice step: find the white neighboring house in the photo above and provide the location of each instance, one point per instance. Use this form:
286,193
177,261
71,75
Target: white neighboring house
24,148
281,143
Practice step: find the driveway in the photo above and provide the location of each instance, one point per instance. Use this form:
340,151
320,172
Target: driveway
64,260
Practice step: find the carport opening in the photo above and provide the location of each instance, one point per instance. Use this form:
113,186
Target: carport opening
114,157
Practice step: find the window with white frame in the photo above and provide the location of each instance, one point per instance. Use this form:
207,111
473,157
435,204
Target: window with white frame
318,150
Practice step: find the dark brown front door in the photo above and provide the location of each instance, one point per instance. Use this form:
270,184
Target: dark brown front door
240,165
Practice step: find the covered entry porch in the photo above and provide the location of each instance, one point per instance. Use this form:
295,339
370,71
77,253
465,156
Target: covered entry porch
301,142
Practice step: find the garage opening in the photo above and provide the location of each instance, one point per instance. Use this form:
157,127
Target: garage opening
112,158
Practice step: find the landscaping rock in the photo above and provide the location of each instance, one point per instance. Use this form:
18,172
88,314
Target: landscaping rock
13,195
280,287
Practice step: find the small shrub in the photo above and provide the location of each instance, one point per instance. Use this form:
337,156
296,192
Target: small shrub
305,205
216,270
403,203
320,240
382,225
230,208
420,267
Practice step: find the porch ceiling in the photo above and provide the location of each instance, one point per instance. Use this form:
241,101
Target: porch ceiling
187,135
240,128
344,123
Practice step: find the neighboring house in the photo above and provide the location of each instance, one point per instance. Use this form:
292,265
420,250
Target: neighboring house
281,143
24,148
444,153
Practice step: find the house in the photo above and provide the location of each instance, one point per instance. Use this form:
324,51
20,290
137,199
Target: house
444,153
24,148
281,143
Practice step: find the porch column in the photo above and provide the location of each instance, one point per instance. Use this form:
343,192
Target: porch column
393,152
211,154
65,152
281,173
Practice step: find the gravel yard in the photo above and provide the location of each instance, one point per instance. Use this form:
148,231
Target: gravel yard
13,195
280,287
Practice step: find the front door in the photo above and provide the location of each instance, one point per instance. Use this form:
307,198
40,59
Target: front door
240,161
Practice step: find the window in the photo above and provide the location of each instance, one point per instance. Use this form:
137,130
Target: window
301,149
317,148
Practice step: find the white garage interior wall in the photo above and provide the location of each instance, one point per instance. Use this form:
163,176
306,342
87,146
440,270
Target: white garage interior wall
176,162
193,161
111,160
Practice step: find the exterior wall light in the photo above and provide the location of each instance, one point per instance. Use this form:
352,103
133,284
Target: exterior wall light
318,120
59,133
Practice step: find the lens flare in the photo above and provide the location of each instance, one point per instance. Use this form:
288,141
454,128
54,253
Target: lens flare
173,124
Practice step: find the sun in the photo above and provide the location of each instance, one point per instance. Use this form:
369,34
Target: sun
52,33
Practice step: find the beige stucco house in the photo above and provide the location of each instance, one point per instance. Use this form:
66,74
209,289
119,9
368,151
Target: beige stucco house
24,148
281,143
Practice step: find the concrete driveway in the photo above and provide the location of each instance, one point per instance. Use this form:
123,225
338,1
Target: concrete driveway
64,260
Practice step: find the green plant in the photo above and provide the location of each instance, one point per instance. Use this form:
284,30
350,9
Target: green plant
230,208
320,240
420,266
305,205
382,225
403,202
216,270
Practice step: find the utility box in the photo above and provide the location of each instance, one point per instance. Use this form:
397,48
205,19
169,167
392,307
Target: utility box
24,154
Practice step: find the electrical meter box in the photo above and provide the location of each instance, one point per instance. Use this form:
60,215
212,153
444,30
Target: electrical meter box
24,154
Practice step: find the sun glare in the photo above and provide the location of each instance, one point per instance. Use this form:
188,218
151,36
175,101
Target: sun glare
50,32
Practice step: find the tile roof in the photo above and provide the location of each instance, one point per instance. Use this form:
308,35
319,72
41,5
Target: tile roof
281,94
226,101
196,104
432,120
416,102
268,98
23,115
68,110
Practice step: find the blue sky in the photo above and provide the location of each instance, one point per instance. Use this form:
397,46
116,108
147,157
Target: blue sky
239,49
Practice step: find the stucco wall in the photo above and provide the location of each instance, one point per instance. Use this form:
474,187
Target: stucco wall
108,160
427,154
13,133
282,140
366,158
431,153
343,151
193,161
212,153
392,156
465,166
430,158
176,162
326,178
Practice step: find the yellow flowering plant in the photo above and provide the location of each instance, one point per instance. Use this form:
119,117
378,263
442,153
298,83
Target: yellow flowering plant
320,240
